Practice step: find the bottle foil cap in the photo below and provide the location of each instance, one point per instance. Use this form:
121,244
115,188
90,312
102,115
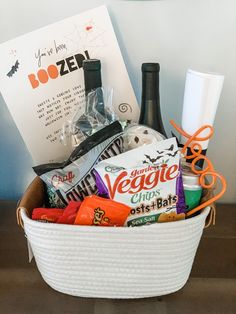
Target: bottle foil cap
92,65
150,67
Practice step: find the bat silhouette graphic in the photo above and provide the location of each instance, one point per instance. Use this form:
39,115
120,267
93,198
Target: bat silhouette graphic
14,69
152,159
171,147
178,143
160,152
173,155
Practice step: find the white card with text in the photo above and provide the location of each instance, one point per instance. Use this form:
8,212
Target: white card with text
41,78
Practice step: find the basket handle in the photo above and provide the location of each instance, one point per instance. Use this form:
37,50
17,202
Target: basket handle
18,216
27,202
211,218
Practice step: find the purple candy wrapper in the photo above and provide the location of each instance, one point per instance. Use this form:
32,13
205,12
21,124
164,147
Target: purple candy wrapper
180,206
102,189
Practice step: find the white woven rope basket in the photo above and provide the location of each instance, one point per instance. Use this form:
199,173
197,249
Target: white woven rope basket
107,262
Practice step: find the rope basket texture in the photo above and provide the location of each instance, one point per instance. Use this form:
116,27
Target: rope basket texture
112,262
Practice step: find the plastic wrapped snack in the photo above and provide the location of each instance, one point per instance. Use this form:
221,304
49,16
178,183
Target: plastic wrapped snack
147,179
50,215
98,211
99,112
74,179
139,135
57,215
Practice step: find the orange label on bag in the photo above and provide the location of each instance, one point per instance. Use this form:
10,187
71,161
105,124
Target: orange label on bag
98,211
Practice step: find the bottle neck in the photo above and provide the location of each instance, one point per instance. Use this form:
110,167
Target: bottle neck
92,80
150,113
150,86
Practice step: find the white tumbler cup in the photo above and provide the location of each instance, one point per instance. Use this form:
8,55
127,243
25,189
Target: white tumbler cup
201,98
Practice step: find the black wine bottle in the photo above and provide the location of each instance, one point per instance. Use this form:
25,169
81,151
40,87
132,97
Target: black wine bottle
150,114
93,83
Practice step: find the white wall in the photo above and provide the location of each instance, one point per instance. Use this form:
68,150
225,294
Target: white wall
177,33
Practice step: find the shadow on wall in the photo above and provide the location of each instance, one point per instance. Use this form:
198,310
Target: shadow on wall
15,161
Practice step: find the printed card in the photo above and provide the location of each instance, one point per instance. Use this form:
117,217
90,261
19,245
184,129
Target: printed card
41,78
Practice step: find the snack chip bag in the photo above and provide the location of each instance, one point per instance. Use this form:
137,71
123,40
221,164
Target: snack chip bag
148,179
98,211
74,179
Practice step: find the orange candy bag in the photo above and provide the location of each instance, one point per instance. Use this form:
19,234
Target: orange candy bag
98,211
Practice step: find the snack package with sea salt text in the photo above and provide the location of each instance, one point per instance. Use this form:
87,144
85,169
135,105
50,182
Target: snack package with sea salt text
148,179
